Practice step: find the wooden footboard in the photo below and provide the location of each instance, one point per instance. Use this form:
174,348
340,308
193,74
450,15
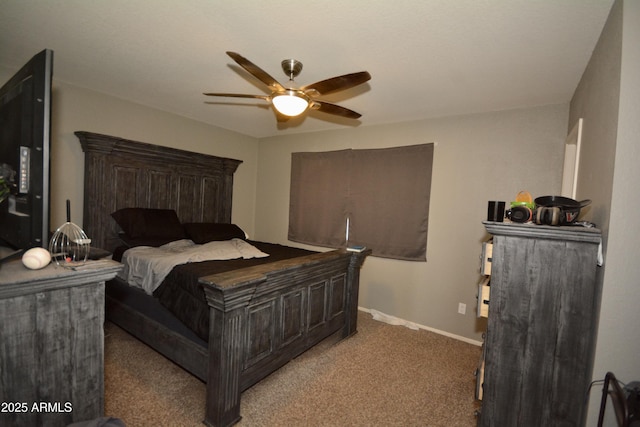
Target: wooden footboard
264,316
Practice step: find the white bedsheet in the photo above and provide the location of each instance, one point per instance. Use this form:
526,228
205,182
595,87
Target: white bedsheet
146,267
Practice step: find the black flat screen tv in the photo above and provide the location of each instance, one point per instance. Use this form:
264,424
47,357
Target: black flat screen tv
25,127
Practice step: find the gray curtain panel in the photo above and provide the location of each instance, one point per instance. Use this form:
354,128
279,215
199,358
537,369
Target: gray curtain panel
383,192
318,200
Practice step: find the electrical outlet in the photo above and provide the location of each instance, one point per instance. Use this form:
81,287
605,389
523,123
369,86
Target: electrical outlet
462,308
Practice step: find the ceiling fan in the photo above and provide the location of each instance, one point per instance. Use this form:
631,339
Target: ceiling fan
291,102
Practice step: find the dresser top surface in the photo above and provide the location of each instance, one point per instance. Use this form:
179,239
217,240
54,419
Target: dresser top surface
570,232
16,279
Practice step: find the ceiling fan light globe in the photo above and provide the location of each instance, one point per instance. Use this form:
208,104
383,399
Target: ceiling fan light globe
290,103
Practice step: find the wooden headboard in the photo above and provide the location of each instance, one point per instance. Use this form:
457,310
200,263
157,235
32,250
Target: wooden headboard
119,173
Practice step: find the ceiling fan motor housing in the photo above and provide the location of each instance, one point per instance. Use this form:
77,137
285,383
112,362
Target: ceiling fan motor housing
291,67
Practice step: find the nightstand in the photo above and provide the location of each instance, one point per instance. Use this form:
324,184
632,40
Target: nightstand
52,343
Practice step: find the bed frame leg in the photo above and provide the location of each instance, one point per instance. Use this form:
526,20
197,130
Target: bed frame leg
226,334
351,322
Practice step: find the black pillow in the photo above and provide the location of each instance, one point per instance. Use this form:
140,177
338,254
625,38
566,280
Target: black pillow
130,220
97,253
204,232
150,223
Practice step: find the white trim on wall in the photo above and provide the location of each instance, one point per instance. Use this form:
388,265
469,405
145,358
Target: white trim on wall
571,161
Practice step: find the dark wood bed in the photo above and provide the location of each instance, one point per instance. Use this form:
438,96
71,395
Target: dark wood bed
260,317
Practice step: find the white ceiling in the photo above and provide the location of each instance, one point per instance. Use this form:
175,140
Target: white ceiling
427,58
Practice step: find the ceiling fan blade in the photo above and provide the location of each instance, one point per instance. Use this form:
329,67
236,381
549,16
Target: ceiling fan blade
326,107
335,84
256,71
238,95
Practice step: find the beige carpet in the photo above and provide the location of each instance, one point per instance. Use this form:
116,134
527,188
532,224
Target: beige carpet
383,376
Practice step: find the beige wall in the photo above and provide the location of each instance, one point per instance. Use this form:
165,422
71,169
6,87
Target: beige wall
76,109
596,101
477,158
608,99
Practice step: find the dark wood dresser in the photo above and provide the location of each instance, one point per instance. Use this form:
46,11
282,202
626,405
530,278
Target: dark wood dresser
543,306
51,343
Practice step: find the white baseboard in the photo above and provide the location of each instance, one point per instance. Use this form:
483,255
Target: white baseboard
415,326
